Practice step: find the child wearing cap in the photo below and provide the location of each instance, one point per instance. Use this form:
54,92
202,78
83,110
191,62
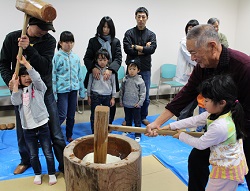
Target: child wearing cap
101,91
34,117
132,95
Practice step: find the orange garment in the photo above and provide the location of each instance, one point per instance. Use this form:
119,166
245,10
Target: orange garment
200,100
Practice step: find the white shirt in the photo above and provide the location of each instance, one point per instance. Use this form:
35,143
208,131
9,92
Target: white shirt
27,112
185,65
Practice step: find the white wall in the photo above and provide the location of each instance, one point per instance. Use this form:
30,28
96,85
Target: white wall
242,37
167,18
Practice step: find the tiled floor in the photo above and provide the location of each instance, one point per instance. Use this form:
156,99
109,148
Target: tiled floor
154,175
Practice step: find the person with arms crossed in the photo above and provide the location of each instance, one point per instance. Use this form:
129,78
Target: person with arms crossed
139,43
212,59
38,48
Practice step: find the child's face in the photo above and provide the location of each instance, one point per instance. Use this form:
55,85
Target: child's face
102,61
67,46
213,108
133,70
25,80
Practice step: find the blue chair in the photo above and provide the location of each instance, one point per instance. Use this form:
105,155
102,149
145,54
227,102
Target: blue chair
167,73
2,83
154,86
84,70
121,74
4,93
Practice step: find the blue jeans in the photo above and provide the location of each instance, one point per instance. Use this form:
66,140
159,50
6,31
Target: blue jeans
55,133
133,114
146,76
66,104
55,130
41,134
22,147
96,100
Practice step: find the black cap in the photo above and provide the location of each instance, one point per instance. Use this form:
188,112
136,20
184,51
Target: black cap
135,62
45,26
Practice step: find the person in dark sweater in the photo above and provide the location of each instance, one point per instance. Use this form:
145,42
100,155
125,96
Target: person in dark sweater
212,59
140,43
38,48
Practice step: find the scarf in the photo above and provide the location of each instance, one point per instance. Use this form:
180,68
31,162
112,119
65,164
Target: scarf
105,42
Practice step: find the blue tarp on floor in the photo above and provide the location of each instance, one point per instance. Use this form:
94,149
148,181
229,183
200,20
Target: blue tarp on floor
171,152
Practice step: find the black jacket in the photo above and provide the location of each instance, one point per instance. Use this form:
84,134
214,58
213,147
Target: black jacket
114,65
39,53
140,37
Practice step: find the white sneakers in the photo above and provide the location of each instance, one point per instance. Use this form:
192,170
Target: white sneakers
125,133
137,139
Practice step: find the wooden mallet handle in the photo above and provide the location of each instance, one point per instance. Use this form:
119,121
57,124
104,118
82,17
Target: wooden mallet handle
20,50
143,130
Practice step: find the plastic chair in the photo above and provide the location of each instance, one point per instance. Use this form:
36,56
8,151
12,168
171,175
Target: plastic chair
121,74
154,86
167,73
4,93
2,83
84,70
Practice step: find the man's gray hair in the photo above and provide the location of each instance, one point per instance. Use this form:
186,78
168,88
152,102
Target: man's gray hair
202,34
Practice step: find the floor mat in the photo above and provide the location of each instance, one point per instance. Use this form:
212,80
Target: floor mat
172,153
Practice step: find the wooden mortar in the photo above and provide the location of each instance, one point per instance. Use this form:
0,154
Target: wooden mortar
121,175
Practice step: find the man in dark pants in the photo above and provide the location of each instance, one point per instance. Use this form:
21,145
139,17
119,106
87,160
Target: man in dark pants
212,59
38,47
139,43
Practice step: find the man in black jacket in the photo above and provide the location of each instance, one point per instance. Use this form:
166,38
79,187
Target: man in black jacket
139,44
38,47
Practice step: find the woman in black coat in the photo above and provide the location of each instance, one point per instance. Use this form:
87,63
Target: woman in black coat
104,38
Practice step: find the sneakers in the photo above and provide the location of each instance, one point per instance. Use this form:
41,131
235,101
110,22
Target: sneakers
125,133
52,179
124,123
137,139
70,139
38,179
145,122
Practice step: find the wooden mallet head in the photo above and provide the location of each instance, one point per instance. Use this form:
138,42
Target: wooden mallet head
37,8
33,8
